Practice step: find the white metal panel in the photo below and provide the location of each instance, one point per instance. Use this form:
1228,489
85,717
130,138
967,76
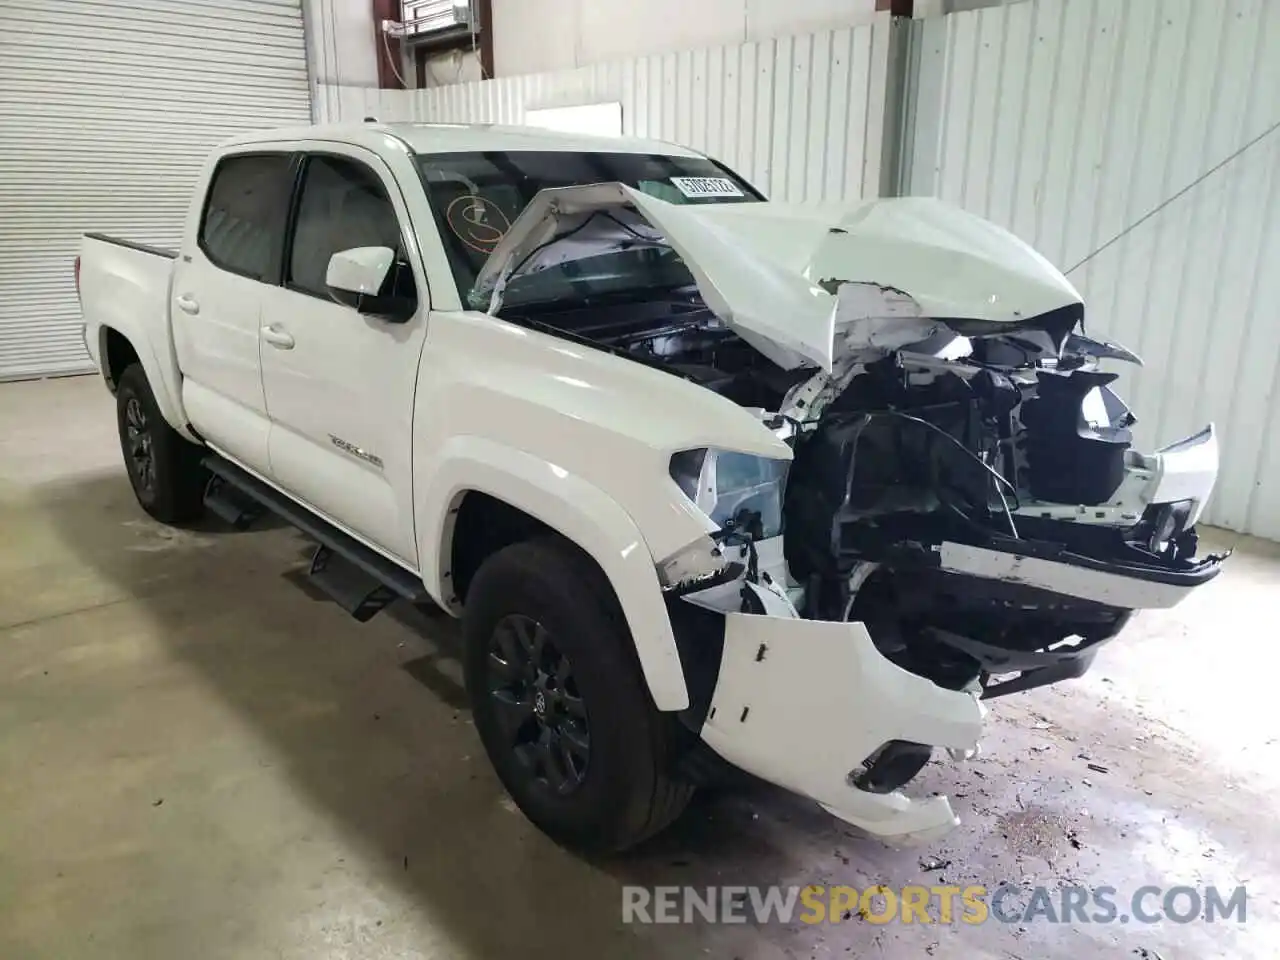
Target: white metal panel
1137,145
553,22
577,33
341,45
775,18
617,29
800,117
107,109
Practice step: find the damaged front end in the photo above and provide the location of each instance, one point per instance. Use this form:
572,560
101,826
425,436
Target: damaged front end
964,515
951,531
991,524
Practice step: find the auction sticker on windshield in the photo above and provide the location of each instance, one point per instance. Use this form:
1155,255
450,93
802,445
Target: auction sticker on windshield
698,187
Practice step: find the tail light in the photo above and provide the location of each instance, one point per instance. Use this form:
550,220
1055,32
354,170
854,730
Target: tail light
77,275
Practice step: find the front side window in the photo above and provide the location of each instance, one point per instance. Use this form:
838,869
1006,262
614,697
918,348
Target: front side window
343,205
475,197
244,216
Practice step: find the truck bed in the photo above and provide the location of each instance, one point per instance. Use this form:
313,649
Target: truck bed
133,245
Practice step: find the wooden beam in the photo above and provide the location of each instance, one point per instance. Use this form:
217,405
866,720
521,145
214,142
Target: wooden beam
899,8
387,49
485,10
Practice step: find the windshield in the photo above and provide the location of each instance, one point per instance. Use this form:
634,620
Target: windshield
475,197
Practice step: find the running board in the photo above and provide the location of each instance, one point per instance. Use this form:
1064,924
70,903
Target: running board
357,578
228,503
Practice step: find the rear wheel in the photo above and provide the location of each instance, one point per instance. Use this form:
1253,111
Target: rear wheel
164,468
559,701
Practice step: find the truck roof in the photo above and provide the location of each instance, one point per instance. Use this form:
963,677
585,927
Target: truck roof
461,138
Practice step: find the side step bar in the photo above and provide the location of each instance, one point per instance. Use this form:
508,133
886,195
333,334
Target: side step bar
358,579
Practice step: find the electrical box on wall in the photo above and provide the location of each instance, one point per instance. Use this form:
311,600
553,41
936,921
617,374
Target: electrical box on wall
433,19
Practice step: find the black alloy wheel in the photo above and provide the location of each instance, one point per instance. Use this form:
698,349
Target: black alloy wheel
540,710
142,462
164,468
560,703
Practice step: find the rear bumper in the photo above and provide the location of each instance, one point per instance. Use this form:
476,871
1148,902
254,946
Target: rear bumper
803,703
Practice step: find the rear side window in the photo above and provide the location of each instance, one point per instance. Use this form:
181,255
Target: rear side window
343,205
244,215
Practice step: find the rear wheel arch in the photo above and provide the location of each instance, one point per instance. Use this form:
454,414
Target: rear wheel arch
118,350
117,353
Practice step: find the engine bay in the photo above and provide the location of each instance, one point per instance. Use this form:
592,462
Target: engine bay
676,333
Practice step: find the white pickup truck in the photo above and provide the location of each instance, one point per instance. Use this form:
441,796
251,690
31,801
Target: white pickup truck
704,476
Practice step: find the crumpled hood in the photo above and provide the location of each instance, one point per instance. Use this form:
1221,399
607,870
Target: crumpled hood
803,284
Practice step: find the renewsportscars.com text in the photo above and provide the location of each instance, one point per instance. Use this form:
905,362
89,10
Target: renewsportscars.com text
1008,903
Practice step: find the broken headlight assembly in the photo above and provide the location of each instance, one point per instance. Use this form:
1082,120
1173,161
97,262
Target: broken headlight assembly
724,484
742,495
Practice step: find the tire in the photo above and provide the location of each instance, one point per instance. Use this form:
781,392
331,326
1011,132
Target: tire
164,468
546,598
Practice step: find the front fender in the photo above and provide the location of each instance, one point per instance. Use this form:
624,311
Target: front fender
577,510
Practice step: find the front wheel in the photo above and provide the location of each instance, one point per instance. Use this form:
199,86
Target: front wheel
164,468
559,701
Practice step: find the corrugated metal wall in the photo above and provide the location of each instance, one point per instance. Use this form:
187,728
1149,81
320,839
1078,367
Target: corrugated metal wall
1137,145
800,117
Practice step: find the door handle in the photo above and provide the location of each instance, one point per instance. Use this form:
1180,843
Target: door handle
277,337
187,304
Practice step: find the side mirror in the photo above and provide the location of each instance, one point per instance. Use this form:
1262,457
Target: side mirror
363,278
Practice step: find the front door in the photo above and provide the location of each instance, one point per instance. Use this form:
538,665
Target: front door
339,383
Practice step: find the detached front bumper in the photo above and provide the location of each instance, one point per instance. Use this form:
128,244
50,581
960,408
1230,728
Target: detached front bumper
1185,471
803,703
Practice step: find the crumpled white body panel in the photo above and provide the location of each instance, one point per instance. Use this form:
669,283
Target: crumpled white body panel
778,274
801,703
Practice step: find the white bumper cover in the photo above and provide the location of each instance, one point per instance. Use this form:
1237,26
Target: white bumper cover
1186,470
802,703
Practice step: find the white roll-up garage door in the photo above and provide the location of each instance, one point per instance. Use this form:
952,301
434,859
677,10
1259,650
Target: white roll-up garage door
107,109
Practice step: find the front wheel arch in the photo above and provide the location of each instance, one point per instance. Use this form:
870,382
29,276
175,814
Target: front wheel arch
562,503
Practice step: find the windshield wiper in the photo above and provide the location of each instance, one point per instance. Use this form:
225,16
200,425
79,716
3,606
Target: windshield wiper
681,293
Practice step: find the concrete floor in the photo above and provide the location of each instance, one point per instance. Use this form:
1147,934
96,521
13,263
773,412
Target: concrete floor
198,758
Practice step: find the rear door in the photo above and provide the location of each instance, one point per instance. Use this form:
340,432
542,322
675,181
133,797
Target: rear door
339,384
232,259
